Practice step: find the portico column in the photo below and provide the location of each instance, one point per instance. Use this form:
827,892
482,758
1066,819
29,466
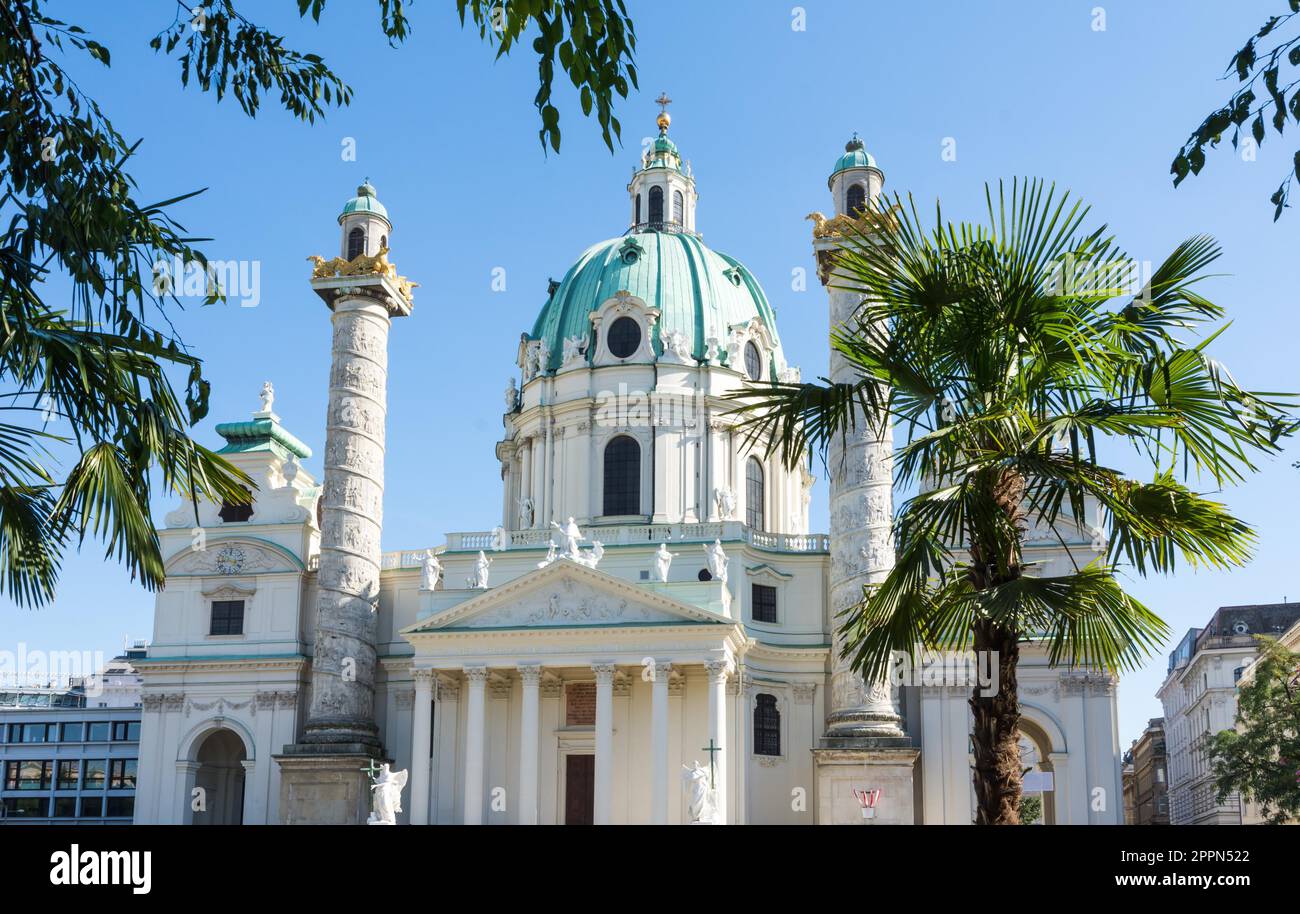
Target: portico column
531,678
659,744
475,727
420,742
717,670
604,742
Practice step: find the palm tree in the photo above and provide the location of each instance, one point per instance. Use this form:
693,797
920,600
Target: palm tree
1008,354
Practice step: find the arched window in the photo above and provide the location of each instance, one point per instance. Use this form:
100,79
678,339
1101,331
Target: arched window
656,204
622,476
237,511
638,209
753,362
679,209
767,725
857,199
754,494
383,241
624,337
356,242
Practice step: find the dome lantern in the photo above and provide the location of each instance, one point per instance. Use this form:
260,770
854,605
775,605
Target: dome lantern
364,224
662,190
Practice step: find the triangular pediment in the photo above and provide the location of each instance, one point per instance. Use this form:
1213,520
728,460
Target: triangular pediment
565,594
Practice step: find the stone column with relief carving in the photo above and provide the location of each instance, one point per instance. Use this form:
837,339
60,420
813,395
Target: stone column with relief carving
865,747
343,664
364,294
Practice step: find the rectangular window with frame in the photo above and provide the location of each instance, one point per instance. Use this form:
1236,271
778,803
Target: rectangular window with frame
27,807
126,731
74,732
227,617
763,603
69,774
28,774
121,807
65,807
98,732
96,774
122,774
92,807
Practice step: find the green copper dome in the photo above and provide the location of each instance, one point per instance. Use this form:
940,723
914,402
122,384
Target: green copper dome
698,291
364,202
855,156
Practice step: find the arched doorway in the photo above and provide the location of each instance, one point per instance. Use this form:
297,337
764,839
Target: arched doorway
1039,784
220,773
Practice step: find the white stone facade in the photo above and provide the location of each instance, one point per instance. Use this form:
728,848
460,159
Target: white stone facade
574,688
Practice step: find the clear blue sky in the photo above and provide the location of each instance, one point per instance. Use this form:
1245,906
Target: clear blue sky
449,138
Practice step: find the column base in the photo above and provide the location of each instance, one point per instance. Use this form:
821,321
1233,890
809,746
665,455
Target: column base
325,785
845,764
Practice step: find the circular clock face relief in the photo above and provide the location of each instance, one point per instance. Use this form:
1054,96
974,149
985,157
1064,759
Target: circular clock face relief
230,560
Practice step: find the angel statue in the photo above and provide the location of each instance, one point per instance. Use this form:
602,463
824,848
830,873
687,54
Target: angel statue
525,512
430,568
663,561
386,795
267,396
552,551
700,800
717,561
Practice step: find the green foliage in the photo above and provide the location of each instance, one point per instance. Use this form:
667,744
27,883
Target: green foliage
1262,93
1031,810
1009,353
85,341
1261,758
593,39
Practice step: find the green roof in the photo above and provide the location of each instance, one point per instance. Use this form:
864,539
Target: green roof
364,202
261,435
855,156
699,291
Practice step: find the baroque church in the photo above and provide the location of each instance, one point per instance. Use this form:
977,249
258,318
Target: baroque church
645,631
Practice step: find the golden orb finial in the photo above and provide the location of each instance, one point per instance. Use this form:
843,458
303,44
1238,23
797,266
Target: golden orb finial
663,120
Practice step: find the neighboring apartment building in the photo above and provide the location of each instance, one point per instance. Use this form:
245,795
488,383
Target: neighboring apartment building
1150,779
1130,789
69,755
1199,695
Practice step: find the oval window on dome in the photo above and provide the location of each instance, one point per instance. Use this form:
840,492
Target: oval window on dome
753,362
624,337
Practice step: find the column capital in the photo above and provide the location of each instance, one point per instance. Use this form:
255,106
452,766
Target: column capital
530,674
717,669
423,678
476,675
604,673
661,670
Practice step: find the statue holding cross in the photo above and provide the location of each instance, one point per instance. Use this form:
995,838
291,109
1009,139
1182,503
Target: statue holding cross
701,801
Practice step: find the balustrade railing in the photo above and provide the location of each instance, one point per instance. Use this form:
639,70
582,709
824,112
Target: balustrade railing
500,540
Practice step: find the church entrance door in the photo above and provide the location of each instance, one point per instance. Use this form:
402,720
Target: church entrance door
579,789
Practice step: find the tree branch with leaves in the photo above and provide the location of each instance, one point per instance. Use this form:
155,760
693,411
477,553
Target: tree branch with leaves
1261,68
86,342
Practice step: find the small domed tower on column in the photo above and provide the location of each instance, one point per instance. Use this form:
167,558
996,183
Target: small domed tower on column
856,182
365,224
